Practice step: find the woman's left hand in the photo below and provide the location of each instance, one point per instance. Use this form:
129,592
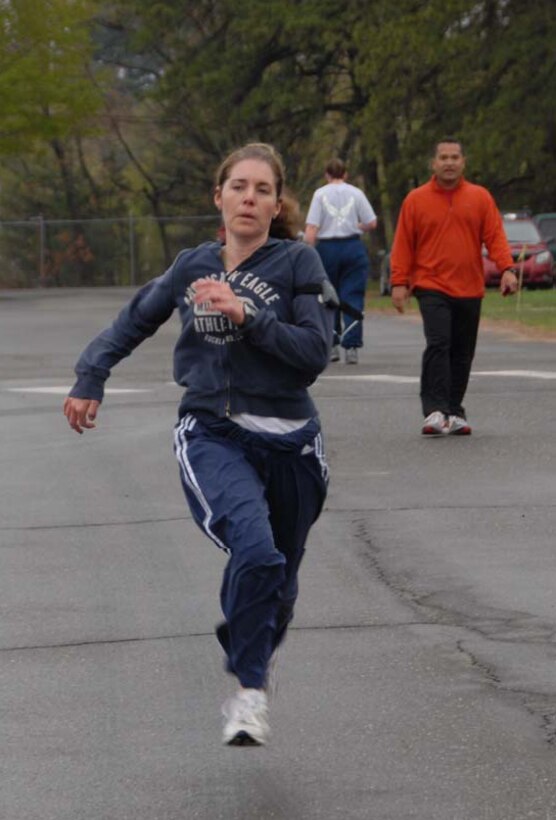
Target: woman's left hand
219,296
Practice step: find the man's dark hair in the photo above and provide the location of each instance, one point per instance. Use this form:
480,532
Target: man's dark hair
447,139
336,169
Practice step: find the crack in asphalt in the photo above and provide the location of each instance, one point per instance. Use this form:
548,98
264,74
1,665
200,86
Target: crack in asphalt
92,524
544,709
540,706
337,511
537,704
183,635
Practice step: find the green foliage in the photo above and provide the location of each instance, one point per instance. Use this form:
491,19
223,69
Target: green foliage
45,92
510,120
184,82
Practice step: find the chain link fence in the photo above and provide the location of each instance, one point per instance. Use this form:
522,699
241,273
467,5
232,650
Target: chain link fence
130,250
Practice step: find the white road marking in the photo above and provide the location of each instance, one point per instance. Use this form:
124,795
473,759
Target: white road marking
521,374
63,391
366,377
376,377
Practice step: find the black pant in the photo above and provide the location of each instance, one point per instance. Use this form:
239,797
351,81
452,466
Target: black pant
451,326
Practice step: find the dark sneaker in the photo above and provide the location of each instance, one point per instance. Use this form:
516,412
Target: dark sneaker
352,356
435,424
246,719
458,426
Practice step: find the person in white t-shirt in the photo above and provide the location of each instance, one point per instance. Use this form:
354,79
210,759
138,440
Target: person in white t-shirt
338,215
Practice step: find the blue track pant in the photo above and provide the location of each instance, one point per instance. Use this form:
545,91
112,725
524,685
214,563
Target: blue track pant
347,265
256,496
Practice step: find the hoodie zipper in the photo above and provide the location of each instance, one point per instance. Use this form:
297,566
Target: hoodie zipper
228,402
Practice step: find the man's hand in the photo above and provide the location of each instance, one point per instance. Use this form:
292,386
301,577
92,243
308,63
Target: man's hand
219,296
400,295
508,283
81,413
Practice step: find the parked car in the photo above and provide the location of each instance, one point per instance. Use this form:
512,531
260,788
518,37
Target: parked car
529,251
546,223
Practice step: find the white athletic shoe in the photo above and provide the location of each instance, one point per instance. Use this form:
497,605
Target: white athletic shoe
246,716
335,354
352,356
435,424
458,426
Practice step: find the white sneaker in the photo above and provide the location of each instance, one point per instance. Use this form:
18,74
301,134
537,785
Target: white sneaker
435,424
246,719
352,356
458,426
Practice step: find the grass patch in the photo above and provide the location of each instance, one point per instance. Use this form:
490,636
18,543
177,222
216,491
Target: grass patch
535,309
532,308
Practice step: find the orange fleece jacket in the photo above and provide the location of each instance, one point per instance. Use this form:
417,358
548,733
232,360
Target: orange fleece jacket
439,239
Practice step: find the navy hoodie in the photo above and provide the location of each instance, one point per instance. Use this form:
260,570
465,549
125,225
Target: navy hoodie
263,367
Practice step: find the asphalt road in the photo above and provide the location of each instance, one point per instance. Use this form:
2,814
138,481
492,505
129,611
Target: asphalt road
419,678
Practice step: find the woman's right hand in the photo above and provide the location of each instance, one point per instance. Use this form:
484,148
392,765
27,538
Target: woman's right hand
219,296
81,413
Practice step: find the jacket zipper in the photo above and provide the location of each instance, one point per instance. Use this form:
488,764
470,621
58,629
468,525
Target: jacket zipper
228,404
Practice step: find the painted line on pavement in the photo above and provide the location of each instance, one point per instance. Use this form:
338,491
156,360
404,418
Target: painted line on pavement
366,377
376,377
521,374
63,391
545,375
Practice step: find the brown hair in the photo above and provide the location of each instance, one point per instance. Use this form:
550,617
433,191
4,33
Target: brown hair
336,168
253,150
288,223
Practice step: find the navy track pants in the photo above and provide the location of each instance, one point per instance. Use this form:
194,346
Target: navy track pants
346,263
256,496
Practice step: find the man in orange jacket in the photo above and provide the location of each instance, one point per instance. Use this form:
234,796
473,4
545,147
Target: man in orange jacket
437,256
